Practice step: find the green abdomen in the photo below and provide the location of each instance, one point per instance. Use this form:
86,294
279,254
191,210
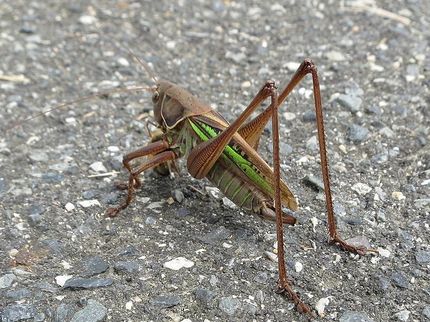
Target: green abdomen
235,176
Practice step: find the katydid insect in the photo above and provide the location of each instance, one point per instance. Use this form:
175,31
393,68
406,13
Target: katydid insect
226,154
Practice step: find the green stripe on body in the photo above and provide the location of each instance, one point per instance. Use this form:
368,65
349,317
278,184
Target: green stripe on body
233,155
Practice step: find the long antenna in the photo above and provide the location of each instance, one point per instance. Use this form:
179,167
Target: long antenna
82,99
142,63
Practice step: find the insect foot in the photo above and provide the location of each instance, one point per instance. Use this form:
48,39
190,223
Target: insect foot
285,288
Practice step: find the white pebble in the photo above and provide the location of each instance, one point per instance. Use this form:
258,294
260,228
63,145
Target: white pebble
298,267
89,203
403,315
69,206
384,252
178,263
129,305
87,20
123,62
227,245
314,221
245,84
65,264
375,260
397,195
113,148
292,66
227,202
62,279
7,280
170,44
98,167
214,192
71,121
20,226
321,304
335,56
273,257
361,188
289,116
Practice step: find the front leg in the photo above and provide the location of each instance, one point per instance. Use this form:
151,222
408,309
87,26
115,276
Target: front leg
162,155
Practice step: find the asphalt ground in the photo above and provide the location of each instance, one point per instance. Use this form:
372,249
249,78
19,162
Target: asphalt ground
374,63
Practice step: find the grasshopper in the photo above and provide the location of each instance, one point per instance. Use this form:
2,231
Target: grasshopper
226,154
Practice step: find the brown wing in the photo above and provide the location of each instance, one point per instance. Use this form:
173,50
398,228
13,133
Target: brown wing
214,120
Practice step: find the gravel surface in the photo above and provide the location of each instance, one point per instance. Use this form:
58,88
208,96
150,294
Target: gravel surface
180,252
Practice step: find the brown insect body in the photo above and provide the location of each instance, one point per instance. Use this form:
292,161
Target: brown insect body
175,121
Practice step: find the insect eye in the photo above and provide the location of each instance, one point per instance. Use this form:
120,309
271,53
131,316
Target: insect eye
155,96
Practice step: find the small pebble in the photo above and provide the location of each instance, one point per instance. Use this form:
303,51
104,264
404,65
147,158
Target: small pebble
93,311
237,57
314,182
69,206
422,257
321,304
150,220
113,148
314,221
273,257
178,195
129,305
352,316
123,62
87,283
298,267
350,102
87,20
215,236
312,143
309,116
292,66
204,296
89,203
39,156
361,188
228,203
400,280
229,305
422,202
397,195
94,266
61,279
383,283
402,315
18,312
245,84
384,252
18,294
126,267
387,132
335,56
289,116
7,280
166,301
359,241
98,167
357,133
426,312
178,263
63,312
